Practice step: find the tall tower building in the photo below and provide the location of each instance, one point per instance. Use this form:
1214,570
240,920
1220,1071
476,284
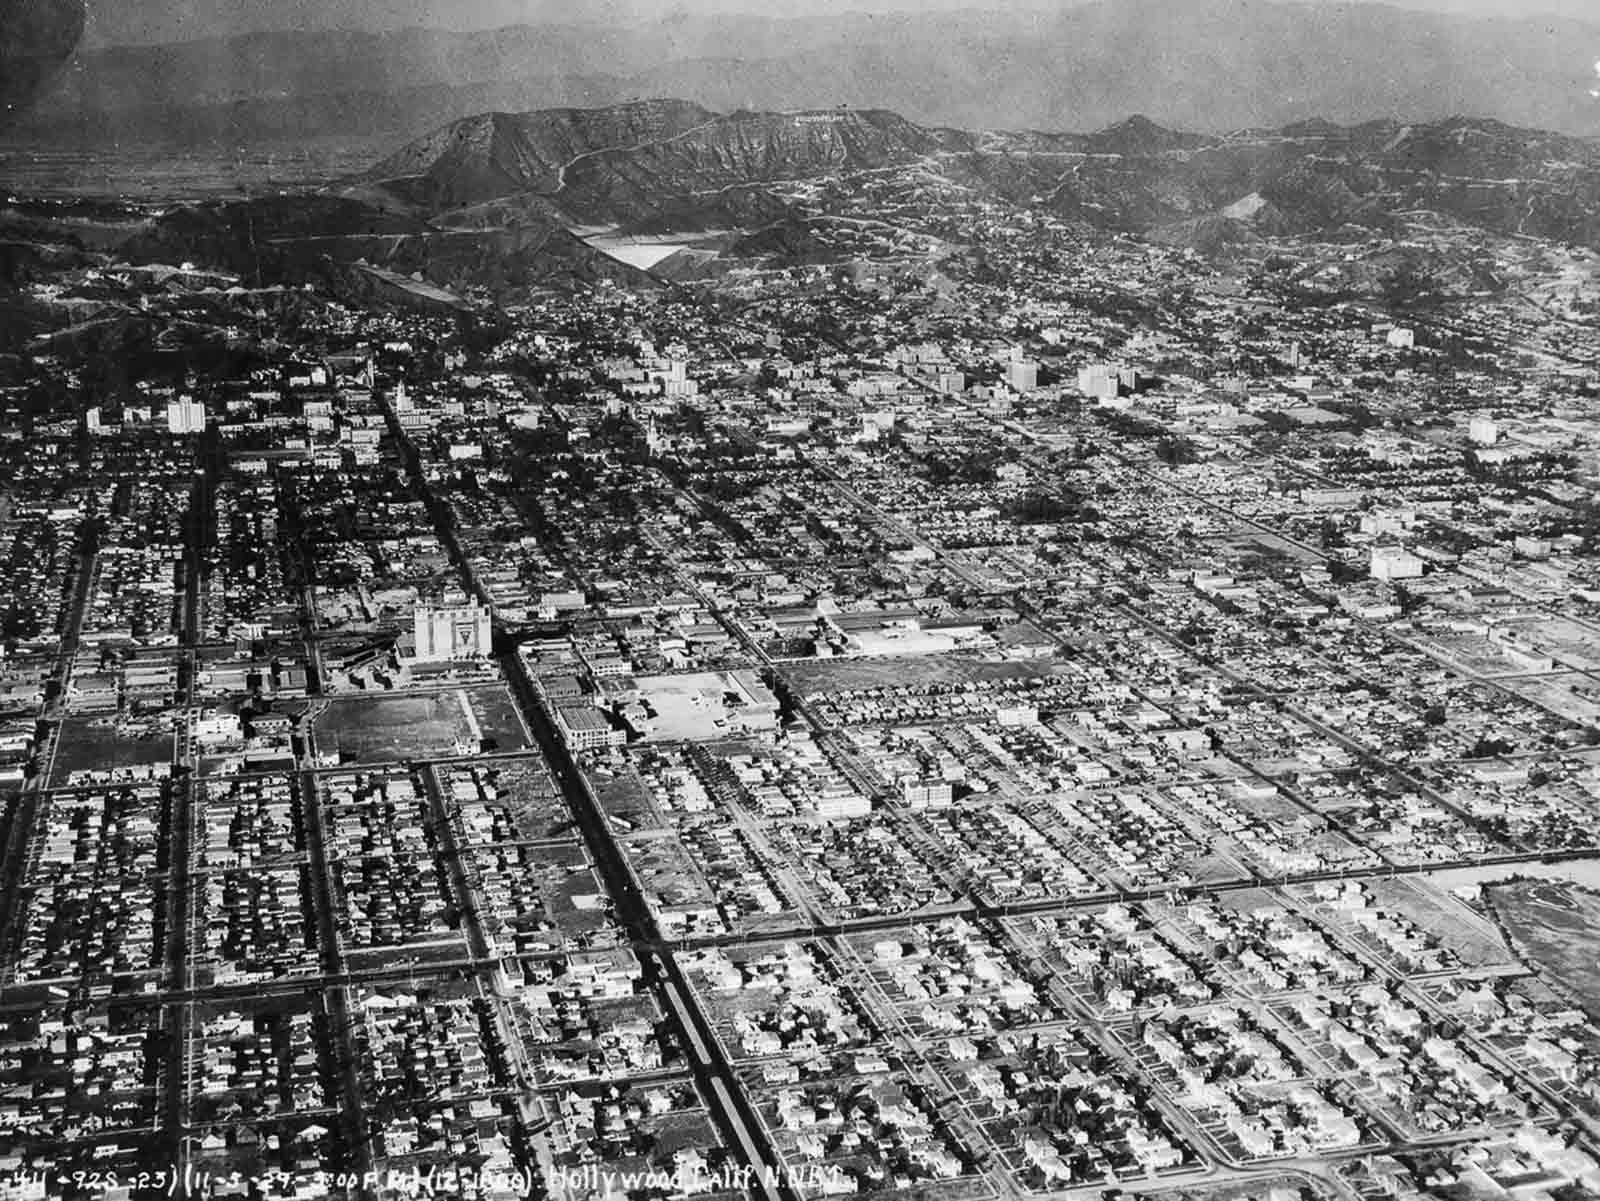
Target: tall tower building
450,632
186,415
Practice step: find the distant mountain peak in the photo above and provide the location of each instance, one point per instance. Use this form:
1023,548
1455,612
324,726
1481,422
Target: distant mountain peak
493,155
1137,124
1138,134
573,156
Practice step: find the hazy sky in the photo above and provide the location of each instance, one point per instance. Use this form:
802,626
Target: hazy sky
122,21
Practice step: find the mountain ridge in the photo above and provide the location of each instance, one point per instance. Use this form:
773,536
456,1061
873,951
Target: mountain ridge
1213,64
505,201
673,147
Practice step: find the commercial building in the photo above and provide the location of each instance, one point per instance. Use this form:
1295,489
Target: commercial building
1022,375
585,728
185,415
445,632
1395,563
926,794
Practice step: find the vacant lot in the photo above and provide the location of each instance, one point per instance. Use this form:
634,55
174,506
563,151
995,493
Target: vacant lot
500,724
1554,927
86,747
390,728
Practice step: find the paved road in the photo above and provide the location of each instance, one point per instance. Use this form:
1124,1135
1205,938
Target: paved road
729,1104
662,973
